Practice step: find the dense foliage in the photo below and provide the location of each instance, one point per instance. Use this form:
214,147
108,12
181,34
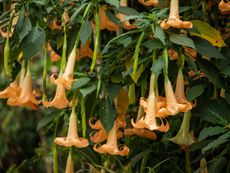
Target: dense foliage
114,86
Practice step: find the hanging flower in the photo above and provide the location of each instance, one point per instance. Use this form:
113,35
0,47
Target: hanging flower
13,90
148,2
224,6
191,52
84,51
149,121
53,55
180,93
111,146
143,133
174,20
105,22
184,138
53,25
66,79
173,55
72,138
126,24
69,164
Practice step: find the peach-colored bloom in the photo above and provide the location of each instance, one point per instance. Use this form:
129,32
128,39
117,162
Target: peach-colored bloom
84,51
126,24
72,138
180,93
143,133
148,2
174,20
69,164
60,101
111,146
173,55
54,23
184,138
13,90
105,22
190,51
66,79
53,55
149,121
224,6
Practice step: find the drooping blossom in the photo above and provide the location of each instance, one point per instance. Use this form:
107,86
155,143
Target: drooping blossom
53,55
143,133
148,2
111,146
174,20
84,51
53,25
13,90
224,6
72,138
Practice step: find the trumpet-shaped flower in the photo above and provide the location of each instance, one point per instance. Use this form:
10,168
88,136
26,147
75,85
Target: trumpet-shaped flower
148,2
84,51
69,164
174,20
143,133
184,138
53,55
60,101
224,6
126,24
13,90
54,23
66,79
180,94
72,138
111,146
105,22
149,121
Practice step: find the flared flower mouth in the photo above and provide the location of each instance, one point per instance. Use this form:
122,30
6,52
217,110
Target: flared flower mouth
224,6
60,101
174,20
12,91
84,51
148,2
105,22
111,147
143,133
72,138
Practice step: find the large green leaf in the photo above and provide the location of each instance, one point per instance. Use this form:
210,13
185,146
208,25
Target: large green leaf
210,70
85,32
221,140
33,42
195,91
211,131
204,48
113,2
126,10
158,66
88,89
80,82
159,33
182,40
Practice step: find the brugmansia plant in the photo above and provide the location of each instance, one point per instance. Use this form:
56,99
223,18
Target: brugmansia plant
114,86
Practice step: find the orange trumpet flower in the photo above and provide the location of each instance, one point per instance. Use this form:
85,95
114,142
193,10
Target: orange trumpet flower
66,79
54,23
69,164
149,121
13,90
84,51
111,146
27,95
126,24
174,20
143,133
105,22
184,138
148,2
72,138
224,6
53,55
180,94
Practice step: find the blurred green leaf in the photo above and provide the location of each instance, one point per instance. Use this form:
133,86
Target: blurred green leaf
182,40
88,89
158,66
159,33
86,31
195,92
113,2
210,131
80,82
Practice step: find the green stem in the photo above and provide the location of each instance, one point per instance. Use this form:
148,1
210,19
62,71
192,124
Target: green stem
204,9
54,148
143,163
165,56
83,116
64,51
7,56
188,166
44,96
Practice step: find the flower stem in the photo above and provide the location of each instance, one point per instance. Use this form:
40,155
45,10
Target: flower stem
55,153
83,118
188,166
44,96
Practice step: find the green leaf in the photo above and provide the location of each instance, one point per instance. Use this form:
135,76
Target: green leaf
88,89
107,114
158,66
159,33
221,140
47,119
80,82
113,91
76,12
85,32
33,42
218,165
210,131
204,48
182,40
195,92
213,111
211,71
125,41
27,26
126,10
208,33
113,2
153,44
